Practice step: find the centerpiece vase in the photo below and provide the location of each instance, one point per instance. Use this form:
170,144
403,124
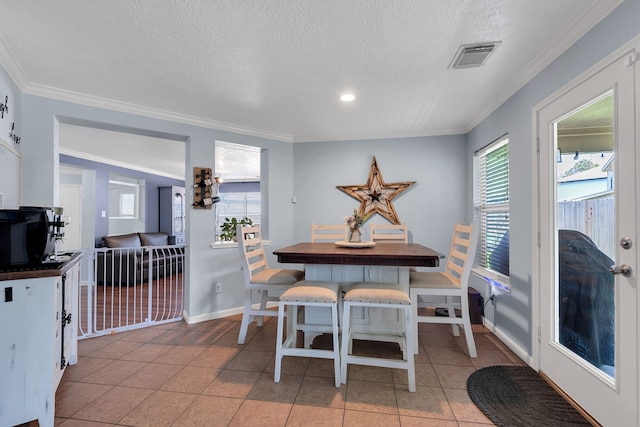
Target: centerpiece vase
354,235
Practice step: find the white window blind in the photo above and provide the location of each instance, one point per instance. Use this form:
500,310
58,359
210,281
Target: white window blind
491,205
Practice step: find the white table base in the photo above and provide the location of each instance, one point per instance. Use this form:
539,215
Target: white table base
373,319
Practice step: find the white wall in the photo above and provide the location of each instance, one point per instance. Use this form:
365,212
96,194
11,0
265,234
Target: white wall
10,152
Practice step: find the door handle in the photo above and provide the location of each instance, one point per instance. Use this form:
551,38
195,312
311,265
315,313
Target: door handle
624,269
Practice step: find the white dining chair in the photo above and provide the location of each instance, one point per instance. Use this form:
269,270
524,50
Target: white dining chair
269,282
328,232
389,233
302,295
451,284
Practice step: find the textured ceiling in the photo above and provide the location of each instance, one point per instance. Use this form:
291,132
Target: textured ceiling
275,68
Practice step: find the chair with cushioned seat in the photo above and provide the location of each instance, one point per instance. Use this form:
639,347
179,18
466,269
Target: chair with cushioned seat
270,282
452,284
378,295
307,293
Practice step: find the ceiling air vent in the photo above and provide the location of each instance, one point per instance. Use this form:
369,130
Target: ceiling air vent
473,55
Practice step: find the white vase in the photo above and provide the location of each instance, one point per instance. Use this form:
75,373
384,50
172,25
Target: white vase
354,235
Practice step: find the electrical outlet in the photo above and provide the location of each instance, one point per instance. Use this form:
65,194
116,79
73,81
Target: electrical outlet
218,288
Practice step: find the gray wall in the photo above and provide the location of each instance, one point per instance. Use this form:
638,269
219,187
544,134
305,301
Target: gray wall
513,312
205,266
101,190
310,171
429,207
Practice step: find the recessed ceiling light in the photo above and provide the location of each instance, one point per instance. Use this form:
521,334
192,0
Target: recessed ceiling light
347,97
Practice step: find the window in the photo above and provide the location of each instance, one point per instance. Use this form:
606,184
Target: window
126,204
238,167
238,205
491,206
123,199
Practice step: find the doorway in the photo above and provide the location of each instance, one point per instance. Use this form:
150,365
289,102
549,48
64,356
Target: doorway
71,200
587,202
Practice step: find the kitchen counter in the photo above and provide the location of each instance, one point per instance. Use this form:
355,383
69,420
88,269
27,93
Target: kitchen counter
40,338
56,267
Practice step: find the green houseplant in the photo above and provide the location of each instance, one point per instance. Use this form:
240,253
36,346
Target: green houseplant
229,226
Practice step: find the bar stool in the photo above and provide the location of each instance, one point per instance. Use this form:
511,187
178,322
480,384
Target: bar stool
307,293
381,295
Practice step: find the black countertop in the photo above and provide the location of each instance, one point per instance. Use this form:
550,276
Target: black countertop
50,268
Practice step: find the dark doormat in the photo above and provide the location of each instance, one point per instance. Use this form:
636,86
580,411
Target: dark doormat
517,396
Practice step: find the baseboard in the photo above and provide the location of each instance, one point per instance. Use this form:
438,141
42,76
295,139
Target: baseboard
519,351
220,314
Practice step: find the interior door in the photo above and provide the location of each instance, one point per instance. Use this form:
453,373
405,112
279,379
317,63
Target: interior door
587,222
71,200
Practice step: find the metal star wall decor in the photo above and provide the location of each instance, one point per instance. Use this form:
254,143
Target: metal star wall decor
376,195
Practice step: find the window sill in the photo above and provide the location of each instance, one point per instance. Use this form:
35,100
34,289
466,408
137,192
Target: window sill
492,278
227,245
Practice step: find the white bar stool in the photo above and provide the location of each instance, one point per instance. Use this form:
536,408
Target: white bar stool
307,293
382,295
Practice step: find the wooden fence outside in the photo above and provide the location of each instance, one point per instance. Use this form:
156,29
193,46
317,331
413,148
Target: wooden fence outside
595,218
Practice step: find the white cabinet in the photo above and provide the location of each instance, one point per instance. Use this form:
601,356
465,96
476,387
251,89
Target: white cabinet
38,338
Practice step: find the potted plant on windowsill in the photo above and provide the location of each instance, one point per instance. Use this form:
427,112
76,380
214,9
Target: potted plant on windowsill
229,227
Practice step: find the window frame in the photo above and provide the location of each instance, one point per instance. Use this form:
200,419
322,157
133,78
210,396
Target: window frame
219,217
133,200
482,207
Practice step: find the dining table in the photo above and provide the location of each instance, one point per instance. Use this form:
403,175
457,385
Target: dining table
359,262
345,263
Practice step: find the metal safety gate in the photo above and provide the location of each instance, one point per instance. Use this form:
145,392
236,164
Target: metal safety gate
129,288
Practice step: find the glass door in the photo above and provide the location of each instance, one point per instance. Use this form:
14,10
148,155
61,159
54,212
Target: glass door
585,234
587,256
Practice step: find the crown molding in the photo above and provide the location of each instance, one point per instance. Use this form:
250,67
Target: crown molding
582,25
9,62
117,163
17,74
572,34
125,107
366,136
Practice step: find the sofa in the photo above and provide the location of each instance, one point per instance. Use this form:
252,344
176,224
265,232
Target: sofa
125,261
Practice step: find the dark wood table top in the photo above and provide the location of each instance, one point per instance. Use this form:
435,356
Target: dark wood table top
384,254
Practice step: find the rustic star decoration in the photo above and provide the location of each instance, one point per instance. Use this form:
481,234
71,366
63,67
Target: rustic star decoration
376,195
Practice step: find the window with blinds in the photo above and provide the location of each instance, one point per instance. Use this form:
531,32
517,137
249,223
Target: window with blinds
491,205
